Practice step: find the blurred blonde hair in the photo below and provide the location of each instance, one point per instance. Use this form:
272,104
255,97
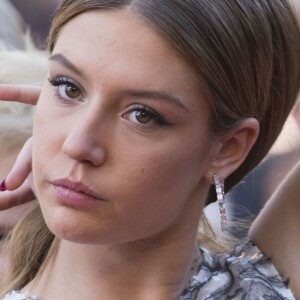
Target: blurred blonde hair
27,66
20,63
11,26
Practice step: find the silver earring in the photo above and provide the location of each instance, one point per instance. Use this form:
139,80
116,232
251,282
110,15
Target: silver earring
221,201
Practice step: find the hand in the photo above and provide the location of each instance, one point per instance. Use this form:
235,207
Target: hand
20,93
18,182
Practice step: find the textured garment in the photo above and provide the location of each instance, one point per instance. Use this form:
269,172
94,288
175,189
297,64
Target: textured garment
245,274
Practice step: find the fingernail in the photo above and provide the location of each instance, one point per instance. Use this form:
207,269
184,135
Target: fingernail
2,186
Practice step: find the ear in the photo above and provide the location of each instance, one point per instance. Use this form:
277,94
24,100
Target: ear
234,147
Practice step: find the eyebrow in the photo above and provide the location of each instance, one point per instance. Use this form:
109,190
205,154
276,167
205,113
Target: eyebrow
156,95
62,60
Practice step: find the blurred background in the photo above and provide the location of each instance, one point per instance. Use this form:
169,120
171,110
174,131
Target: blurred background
249,196
33,15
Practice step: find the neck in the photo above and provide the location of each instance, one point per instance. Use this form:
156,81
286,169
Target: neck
156,268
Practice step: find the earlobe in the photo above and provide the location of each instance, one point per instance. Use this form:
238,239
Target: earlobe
234,148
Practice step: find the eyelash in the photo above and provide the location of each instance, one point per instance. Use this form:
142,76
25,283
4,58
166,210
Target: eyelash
60,81
155,116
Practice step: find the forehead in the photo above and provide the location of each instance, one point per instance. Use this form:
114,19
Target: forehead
120,42
116,35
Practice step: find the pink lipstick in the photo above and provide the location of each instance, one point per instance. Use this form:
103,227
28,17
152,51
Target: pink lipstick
74,193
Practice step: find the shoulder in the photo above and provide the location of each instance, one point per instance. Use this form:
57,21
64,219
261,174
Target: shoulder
246,273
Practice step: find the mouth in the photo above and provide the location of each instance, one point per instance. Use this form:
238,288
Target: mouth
73,190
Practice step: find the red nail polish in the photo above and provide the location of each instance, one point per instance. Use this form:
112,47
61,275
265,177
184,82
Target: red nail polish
2,186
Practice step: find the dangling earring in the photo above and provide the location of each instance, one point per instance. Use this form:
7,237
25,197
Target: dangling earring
221,201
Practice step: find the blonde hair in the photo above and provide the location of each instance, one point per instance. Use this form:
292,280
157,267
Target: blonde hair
28,249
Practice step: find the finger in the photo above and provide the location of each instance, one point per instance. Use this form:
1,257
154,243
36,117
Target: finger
19,196
21,169
20,93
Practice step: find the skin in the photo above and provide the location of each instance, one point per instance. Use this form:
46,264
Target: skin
17,175
152,178
8,218
276,229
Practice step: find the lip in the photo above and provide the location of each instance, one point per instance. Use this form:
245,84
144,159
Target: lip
74,193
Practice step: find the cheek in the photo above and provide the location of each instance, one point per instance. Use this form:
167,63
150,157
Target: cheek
49,113
45,124
158,188
163,179
47,136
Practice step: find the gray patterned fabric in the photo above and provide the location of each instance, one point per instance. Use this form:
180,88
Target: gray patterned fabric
245,274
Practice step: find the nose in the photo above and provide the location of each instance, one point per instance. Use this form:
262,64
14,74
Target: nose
83,144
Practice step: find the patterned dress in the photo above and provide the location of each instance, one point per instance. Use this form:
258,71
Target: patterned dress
245,274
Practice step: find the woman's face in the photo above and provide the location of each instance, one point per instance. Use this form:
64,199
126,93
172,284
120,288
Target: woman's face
121,134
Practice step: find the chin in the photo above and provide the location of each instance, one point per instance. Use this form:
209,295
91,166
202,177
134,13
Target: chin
70,227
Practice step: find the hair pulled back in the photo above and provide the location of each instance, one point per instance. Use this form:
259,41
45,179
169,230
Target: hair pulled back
245,53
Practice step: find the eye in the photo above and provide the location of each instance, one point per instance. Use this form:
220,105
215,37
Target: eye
144,116
66,89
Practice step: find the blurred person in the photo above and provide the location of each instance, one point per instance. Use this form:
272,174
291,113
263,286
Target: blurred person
37,16
276,229
12,27
20,63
